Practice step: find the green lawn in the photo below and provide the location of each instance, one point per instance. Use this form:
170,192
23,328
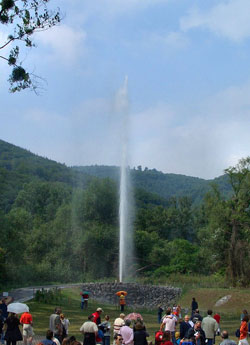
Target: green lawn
70,304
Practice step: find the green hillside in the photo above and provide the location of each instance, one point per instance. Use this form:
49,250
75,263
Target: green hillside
64,222
19,166
164,185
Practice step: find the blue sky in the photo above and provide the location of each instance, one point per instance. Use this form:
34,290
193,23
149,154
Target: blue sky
188,68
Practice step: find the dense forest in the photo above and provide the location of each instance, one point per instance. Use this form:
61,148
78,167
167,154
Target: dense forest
60,223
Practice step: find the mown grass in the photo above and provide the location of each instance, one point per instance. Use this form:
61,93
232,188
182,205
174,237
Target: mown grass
206,297
70,304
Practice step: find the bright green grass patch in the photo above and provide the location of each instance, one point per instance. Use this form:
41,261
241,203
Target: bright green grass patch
70,303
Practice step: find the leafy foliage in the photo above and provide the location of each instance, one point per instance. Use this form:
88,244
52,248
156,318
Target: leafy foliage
63,224
24,18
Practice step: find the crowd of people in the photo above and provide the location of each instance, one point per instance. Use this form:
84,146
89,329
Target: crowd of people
174,328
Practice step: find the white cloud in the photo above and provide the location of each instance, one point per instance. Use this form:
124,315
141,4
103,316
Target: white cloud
229,19
67,44
172,139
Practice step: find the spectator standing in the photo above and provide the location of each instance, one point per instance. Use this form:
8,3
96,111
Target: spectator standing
244,331
1,327
217,318
159,313
82,301
122,302
194,305
127,333
169,323
3,309
243,314
97,316
106,330
140,335
13,333
226,340
119,322
90,330
27,323
86,300
184,327
210,327
65,322
55,324
196,334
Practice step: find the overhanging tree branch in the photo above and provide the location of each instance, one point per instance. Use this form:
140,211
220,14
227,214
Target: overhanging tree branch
26,17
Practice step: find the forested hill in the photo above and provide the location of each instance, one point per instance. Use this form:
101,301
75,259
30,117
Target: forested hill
63,222
19,166
165,185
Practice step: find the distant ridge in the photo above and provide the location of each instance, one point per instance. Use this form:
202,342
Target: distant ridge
166,185
19,166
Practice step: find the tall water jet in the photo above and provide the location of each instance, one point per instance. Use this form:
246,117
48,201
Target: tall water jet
125,245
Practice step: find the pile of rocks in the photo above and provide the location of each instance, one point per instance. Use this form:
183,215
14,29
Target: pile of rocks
149,296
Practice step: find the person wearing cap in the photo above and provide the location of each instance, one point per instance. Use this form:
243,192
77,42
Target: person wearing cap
97,316
119,322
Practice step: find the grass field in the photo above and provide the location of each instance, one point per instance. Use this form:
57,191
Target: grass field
70,303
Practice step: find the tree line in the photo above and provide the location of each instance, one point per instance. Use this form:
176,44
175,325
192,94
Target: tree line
55,232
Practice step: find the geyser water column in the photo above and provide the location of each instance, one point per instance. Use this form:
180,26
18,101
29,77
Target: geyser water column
125,245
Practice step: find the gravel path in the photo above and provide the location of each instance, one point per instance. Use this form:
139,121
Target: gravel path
27,293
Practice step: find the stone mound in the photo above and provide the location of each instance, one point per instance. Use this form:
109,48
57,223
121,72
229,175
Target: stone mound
149,296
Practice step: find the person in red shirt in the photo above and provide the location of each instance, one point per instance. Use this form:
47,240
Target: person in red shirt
244,331
97,316
27,323
217,318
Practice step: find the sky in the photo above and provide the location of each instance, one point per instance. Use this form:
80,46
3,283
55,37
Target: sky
188,69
